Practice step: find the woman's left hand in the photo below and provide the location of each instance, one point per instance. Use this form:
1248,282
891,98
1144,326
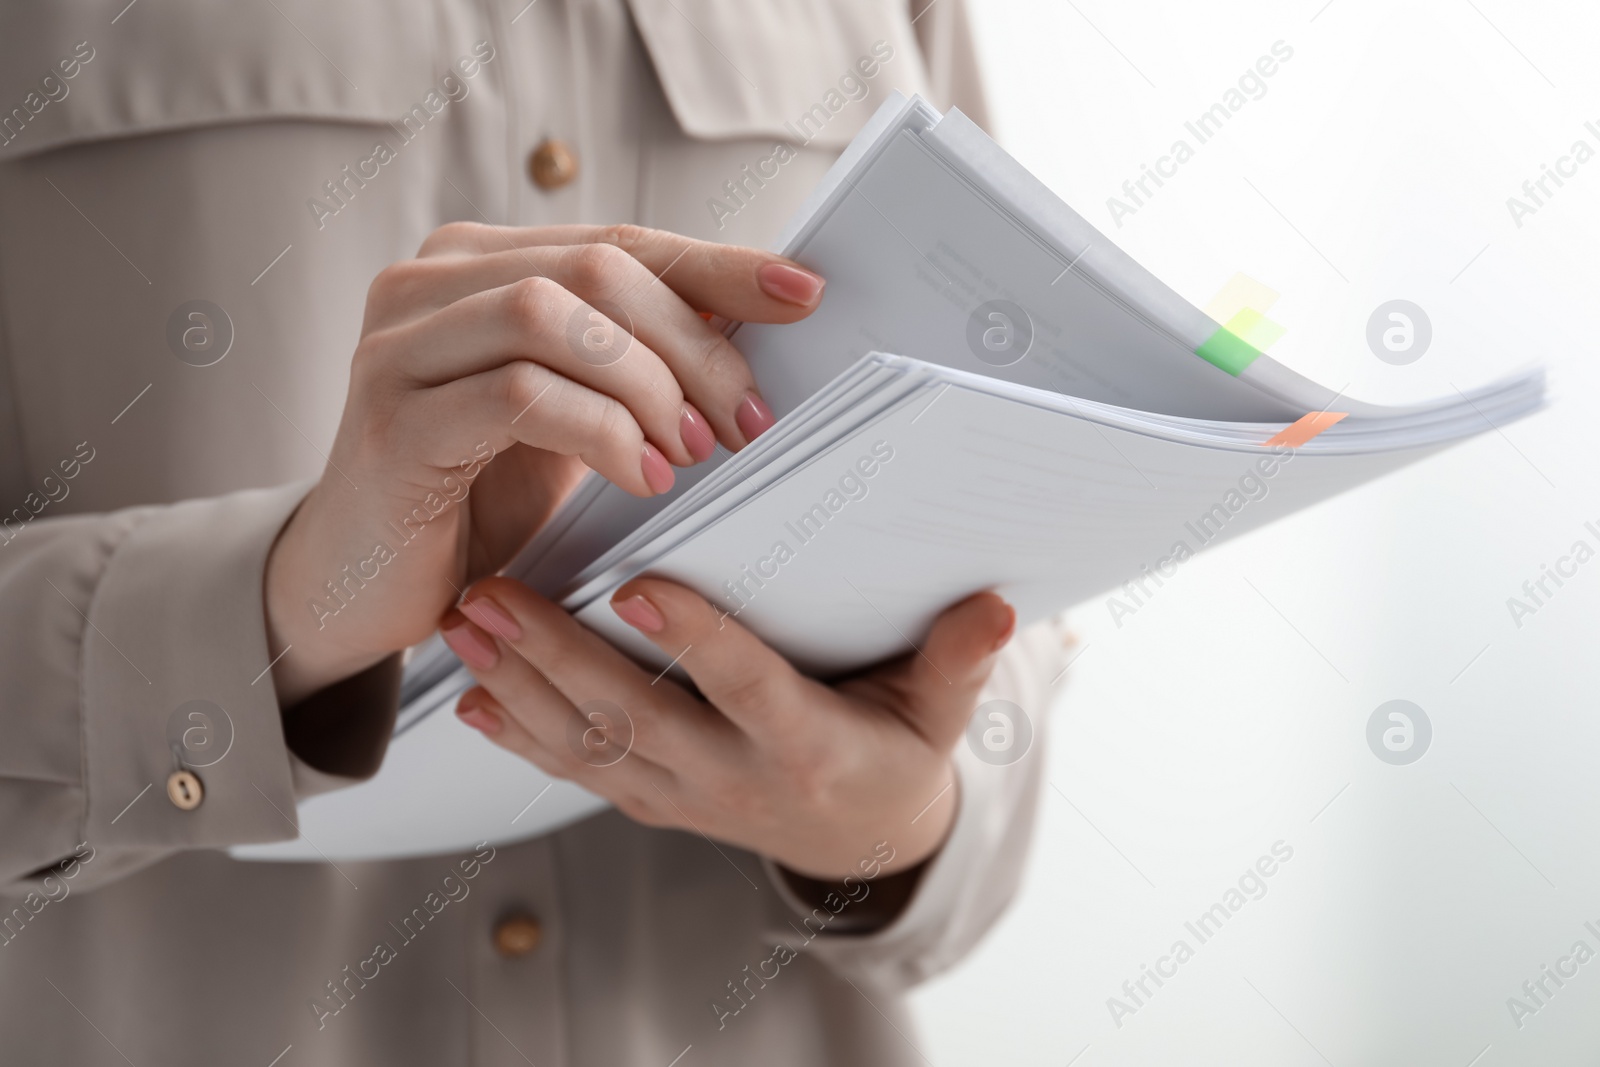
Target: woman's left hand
769,760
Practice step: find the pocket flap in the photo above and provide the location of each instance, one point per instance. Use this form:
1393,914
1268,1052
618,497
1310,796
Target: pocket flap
71,71
802,71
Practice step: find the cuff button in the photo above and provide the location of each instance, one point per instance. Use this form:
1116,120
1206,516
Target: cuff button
185,790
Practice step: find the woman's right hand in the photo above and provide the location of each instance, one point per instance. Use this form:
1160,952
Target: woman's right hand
506,361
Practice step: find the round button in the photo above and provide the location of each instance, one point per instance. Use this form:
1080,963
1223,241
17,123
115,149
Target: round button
185,790
552,164
517,935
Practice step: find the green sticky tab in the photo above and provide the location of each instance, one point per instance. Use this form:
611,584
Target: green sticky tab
1255,328
1227,351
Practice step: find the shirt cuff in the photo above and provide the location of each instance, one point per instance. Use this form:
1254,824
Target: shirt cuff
177,640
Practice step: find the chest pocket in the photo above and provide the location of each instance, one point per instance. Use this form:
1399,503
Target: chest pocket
801,71
74,71
167,151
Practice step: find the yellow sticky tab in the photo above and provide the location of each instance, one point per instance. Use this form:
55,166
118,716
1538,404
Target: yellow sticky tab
1251,326
1241,292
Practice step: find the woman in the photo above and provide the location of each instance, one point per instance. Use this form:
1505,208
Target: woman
193,201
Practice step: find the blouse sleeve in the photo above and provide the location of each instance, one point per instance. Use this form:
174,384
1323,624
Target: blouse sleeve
113,625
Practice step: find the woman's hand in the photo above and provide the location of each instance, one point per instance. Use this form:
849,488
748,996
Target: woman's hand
769,760
512,358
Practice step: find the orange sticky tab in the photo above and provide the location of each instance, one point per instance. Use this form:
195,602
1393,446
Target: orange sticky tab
1305,429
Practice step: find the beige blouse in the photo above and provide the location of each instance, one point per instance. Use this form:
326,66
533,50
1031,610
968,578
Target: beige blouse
193,200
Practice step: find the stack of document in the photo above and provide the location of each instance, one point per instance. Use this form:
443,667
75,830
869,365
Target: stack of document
991,396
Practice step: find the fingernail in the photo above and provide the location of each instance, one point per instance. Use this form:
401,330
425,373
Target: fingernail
481,719
697,435
1011,628
753,417
492,617
468,642
639,613
790,284
657,471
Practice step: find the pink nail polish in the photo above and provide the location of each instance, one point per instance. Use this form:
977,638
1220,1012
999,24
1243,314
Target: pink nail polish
657,471
790,284
639,613
753,417
1011,628
481,719
697,435
475,650
492,617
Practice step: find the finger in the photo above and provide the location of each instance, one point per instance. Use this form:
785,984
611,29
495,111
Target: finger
574,737
747,681
708,369
667,726
939,684
711,373
479,709
741,284
631,785
538,320
528,403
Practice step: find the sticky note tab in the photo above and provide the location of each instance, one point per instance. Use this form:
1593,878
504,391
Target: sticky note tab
1241,307
1254,328
1303,430
1227,351
1241,292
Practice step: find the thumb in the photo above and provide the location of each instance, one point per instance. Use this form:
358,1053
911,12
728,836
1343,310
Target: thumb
941,683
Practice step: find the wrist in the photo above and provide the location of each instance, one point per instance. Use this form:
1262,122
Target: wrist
928,828
880,886
305,657
898,838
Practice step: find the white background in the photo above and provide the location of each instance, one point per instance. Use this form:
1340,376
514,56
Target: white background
1228,712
